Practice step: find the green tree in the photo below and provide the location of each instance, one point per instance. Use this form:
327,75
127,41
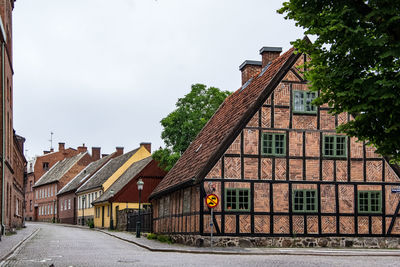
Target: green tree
355,64
183,124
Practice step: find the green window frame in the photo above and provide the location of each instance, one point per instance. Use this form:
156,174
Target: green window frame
370,201
304,200
274,144
302,102
237,199
335,146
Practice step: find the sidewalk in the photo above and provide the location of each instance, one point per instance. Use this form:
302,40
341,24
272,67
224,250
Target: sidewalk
156,246
9,243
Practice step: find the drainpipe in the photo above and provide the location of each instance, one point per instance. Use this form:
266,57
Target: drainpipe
3,42
3,142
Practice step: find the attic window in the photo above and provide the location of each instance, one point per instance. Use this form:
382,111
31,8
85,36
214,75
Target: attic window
45,166
246,84
197,150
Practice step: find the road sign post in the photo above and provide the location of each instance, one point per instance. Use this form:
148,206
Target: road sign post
212,201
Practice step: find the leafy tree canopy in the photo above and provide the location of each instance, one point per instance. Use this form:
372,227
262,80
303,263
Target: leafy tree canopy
183,124
355,64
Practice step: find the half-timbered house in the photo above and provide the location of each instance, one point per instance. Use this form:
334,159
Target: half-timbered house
278,167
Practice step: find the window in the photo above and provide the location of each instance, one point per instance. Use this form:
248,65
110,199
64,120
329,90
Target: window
65,204
237,199
302,102
40,211
273,144
108,211
369,202
55,210
166,206
51,209
51,191
186,201
61,206
335,145
95,195
16,206
305,200
30,205
37,195
161,208
45,166
69,204
30,186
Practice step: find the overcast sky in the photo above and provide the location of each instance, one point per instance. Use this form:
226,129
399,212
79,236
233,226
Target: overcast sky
105,73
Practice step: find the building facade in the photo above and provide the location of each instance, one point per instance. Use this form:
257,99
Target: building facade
104,178
124,194
11,145
278,167
67,197
47,187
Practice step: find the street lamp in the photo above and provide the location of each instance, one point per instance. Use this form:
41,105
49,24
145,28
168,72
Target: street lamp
83,210
54,210
111,215
140,184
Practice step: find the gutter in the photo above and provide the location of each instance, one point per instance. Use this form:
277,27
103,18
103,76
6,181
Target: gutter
4,40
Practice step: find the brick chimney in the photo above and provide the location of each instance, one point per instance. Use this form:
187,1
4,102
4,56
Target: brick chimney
61,147
269,53
82,149
249,69
119,150
146,145
96,153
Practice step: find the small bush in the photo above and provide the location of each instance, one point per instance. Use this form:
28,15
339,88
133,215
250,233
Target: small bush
164,239
152,236
90,223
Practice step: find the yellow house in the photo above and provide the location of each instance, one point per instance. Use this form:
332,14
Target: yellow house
123,193
94,187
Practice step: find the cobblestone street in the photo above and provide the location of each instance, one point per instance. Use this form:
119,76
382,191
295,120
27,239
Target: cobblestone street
70,246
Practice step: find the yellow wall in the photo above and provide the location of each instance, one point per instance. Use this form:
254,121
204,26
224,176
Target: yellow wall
140,154
88,211
121,205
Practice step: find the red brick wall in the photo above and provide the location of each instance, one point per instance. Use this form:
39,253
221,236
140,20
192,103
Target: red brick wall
272,179
67,208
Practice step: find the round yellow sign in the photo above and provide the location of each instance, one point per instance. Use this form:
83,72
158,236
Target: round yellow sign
212,200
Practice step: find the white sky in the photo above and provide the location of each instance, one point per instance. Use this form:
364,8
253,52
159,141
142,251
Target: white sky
105,73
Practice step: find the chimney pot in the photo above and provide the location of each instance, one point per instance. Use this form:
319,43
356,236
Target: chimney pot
104,155
119,150
61,146
250,69
96,153
146,145
269,53
82,149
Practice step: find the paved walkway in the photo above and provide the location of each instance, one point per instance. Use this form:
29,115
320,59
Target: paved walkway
10,243
157,246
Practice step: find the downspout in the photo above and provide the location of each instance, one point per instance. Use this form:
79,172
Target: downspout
3,140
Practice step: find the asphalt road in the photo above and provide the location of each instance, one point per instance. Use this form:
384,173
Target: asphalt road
67,246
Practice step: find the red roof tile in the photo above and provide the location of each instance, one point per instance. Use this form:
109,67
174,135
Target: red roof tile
224,126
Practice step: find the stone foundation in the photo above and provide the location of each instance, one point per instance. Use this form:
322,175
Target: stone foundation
289,242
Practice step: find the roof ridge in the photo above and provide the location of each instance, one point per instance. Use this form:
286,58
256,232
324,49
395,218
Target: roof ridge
230,118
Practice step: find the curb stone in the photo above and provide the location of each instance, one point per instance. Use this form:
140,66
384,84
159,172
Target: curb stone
16,248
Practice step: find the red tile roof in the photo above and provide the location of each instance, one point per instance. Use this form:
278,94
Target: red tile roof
227,122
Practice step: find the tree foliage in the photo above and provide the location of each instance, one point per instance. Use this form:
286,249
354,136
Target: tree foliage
183,124
355,64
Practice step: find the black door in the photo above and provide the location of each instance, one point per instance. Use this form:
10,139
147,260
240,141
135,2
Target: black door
102,216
